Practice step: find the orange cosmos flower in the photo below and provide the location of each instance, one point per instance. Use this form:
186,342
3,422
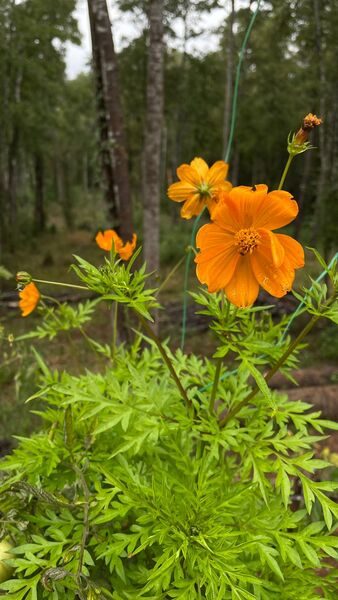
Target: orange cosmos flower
29,297
199,186
109,237
239,251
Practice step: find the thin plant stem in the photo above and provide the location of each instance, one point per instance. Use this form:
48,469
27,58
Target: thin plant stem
114,340
285,172
72,285
166,359
219,361
215,385
51,298
186,279
85,532
57,320
238,73
227,156
90,342
170,274
9,360
232,413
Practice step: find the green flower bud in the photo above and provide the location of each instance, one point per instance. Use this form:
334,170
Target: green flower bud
23,277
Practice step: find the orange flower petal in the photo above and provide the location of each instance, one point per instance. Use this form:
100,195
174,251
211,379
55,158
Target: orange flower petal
192,207
100,240
127,250
227,214
271,247
294,252
201,168
276,281
243,288
277,210
212,204
29,298
188,174
211,235
180,191
225,186
218,172
218,270
245,201
106,239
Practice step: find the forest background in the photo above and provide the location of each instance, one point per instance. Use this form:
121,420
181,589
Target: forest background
99,150
51,139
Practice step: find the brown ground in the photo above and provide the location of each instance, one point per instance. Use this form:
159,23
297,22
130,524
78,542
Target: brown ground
318,385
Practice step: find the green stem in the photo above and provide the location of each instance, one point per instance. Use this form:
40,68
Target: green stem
112,254
238,73
171,273
115,309
285,172
79,287
166,359
186,278
232,413
51,299
215,385
85,530
90,342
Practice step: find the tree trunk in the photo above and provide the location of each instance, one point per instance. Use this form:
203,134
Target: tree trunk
113,139
229,78
2,211
13,180
62,191
39,212
153,137
317,215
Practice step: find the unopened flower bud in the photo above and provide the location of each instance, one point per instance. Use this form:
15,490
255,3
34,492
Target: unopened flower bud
23,277
310,121
298,142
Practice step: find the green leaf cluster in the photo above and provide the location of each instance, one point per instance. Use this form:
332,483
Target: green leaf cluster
123,495
119,282
140,484
62,318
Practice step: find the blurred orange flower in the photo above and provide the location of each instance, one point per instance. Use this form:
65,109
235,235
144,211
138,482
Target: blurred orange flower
107,238
239,251
199,186
29,298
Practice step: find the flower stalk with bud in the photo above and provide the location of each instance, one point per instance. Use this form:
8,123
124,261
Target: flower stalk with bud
298,142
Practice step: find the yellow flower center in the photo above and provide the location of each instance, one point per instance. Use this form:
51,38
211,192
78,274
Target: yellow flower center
204,189
247,240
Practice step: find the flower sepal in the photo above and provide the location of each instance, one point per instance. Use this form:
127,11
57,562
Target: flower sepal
296,146
23,278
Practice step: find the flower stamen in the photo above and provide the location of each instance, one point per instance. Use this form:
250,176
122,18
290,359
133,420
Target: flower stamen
247,240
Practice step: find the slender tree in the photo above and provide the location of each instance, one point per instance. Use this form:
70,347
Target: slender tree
153,137
113,139
321,73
